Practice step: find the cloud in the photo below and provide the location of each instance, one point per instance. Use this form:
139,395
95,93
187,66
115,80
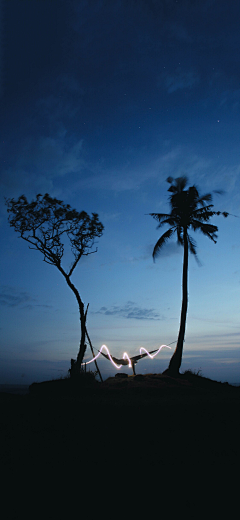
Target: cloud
130,311
39,161
230,99
137,169
14,297
180,79
52,155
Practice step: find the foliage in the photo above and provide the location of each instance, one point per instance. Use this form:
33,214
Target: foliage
189,210
44,222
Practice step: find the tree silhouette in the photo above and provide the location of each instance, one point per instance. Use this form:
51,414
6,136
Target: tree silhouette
44,223
188,211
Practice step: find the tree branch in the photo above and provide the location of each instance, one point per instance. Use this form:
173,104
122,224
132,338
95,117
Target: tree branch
78,258
74,264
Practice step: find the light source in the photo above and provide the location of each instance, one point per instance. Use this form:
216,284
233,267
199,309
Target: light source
126,360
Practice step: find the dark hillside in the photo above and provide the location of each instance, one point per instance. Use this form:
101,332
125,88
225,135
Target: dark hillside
157,420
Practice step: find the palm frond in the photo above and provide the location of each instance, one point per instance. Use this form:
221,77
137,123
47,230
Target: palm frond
207,229
224,213
196,224
181,182
205,198
204,213
178,184
171,221
159,216
180,235
161,241
219,192
163,218
192,198
192,245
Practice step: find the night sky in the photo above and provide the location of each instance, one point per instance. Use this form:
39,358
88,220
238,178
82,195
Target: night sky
101,101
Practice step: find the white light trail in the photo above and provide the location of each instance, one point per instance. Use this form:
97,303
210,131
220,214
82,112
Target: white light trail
156,353
125,356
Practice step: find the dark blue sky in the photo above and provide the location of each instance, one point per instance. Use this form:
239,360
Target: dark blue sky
100,102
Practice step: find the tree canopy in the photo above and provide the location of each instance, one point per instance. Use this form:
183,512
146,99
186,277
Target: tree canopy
44,222
189,210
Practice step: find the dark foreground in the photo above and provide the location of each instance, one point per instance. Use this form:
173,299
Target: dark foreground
136,431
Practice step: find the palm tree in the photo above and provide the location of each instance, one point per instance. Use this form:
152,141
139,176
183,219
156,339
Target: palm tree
188,211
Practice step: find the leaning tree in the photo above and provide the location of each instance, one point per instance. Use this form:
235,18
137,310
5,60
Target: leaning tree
44,223
189,210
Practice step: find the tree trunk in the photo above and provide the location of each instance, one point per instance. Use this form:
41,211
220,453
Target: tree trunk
83,346
176,359
83,316
76,365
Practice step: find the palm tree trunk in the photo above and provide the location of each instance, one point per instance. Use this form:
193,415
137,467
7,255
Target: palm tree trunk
176,360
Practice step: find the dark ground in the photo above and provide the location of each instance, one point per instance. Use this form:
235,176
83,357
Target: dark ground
126,438
158,419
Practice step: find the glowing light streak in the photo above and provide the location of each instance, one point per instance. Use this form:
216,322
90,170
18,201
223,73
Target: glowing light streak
153,355
125,356
109,355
